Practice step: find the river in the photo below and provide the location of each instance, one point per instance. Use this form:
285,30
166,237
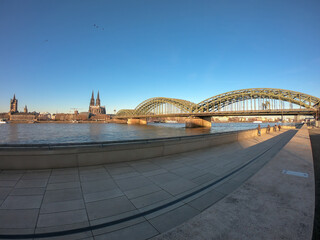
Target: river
51,133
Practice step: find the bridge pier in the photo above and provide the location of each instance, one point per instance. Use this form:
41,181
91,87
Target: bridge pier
138,121
195,122
297,118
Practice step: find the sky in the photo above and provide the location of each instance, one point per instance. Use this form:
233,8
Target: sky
53,54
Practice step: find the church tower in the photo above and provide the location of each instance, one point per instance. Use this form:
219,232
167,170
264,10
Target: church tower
92,100
14,104
98,100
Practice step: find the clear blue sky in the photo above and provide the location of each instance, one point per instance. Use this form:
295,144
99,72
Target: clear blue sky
52,56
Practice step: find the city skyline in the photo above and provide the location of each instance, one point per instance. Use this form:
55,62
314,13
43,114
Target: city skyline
54,55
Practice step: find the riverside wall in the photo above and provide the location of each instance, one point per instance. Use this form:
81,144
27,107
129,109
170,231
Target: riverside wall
42,156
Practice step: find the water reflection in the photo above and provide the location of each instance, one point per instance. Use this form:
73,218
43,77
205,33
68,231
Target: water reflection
95,131
13,133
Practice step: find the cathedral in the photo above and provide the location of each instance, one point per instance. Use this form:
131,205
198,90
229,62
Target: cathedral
95,107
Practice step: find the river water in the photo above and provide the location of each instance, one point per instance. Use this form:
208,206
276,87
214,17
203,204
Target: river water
51,133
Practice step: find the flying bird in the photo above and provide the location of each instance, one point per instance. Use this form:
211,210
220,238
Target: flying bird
96,26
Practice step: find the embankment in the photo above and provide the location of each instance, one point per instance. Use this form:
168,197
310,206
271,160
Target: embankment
42,156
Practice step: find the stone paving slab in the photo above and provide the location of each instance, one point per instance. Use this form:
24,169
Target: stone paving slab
108,207
132,183
62,218
178,186
116,227
145,190
64,178
82,235
139,231
120,170
26,218
113,218
164,178
36,174
4,192
206,200
64,171
10,176
173,218
62,195
154,172
63,185
207,177
98,186
97,196
32,183
8,183
151,198
64,206
27,191
126,175
22,202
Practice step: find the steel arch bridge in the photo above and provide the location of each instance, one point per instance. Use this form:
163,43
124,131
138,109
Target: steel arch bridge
268,96
253,99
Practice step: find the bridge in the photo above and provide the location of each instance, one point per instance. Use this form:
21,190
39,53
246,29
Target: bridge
244,102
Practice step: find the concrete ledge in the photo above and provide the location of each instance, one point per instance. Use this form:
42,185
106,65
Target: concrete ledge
86,154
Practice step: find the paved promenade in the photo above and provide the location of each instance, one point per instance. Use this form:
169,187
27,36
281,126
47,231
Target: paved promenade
131,200
270,205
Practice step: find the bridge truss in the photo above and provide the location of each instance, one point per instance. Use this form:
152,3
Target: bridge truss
253,100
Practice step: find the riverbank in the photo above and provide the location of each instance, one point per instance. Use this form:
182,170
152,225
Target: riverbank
61,122
121,121
42,156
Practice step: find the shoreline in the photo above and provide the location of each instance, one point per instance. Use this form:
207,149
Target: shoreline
144,140
89,154
124,122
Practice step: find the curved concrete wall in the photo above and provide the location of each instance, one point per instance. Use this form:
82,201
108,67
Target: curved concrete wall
74,155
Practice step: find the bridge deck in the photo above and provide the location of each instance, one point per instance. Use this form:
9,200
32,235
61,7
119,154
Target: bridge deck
287,112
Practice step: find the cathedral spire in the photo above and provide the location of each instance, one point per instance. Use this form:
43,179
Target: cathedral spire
92,99
98,100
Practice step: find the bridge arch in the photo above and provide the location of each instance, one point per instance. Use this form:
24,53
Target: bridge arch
269,97
125,112
220,101
147,106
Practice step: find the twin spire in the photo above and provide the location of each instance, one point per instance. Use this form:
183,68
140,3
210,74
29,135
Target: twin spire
92,103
